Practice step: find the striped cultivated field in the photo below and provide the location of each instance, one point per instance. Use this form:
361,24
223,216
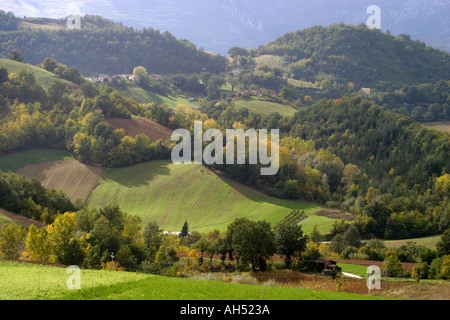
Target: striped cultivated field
75,178
170,194
270,60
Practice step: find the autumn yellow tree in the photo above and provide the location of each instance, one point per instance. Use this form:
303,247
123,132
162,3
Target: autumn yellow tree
442,186
38,246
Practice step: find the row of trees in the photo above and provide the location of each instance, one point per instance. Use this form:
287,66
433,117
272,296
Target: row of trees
110,239
30,199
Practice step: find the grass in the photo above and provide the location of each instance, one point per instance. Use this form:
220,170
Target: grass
324,224
170,194
265,107
4,220
43,77
15,161
300,83
428,242
443,126
23,281
354,269
144,96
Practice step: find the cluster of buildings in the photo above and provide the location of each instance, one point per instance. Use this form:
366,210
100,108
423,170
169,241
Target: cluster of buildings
126,77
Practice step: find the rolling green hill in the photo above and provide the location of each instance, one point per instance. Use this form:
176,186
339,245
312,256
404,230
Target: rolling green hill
155,191
43,77
170,194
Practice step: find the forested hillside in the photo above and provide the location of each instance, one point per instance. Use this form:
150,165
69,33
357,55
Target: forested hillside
103,46
356,54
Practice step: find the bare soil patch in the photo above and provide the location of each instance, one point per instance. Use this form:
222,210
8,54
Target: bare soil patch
21,220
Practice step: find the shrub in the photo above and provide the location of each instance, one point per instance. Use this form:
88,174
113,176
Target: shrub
445,272
358,256
348,251
12,238
435,268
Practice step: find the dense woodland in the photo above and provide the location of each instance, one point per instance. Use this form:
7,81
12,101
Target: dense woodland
102,46
343,54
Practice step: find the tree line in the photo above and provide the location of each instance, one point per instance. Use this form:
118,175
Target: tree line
110,239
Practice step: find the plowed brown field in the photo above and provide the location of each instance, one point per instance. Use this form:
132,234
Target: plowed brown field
135,126
75,178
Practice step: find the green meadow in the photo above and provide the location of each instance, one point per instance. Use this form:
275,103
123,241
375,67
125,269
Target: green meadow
15,161
43,77
24,281
265,107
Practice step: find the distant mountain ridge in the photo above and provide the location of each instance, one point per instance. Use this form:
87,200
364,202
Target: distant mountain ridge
218,25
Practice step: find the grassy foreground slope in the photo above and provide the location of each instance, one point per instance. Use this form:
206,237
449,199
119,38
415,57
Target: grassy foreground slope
170,194
23,281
